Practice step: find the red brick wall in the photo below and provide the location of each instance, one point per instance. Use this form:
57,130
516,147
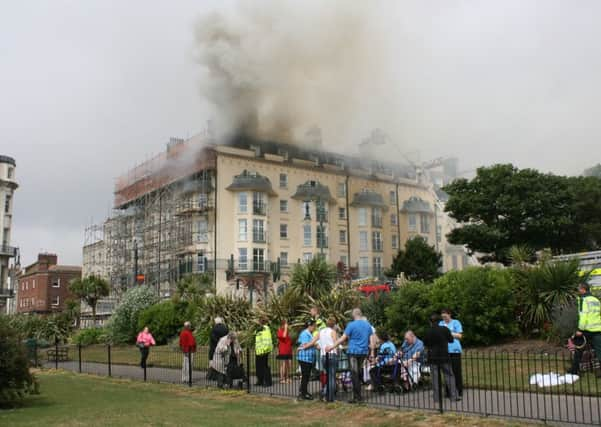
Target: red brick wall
40,298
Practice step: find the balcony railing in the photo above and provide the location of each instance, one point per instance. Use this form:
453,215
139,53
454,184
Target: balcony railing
7,250
376,221
253,266
259,237
259,209
7,293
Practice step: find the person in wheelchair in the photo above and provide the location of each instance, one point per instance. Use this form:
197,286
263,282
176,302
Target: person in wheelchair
384,362
410,360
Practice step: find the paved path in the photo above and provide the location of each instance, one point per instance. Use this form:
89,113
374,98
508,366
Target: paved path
553,408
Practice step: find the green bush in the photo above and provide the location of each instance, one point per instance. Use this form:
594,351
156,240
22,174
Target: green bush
374,308
15,379
409,308
483,299
123,325
90,336
164,319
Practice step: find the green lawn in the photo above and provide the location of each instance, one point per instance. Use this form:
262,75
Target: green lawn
69,399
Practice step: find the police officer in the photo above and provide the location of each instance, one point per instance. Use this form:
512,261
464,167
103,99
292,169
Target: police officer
263,348
589,325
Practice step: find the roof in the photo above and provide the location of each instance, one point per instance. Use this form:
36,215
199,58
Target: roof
368,198
65,268
415,205
312,191
251,181
9,160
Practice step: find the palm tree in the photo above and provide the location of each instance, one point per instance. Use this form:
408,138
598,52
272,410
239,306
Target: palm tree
90,289
315,278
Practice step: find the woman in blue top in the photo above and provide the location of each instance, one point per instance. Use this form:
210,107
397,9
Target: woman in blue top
306,358
384,361
455,349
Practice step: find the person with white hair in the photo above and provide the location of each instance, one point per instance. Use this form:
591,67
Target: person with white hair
359,335
187,343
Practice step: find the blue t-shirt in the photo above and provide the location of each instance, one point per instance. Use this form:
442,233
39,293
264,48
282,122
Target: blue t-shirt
307,355
409,350
386,353
455,327
358,333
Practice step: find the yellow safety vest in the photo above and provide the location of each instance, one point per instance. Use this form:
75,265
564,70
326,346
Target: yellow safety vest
319,325
589,314
263,342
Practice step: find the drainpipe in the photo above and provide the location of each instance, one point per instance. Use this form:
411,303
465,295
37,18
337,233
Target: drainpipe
348,221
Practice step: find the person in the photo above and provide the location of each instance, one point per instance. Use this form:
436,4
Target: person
359,335
319,323
306,358
412,351
455,349
187,343
383,363
144,341
329,359
437,341
226,357
589,326
284,352
263,348
219,331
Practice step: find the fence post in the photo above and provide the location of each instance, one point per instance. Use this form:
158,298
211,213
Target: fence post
327,369
79,356
439,374
190,368
109,358
35,355
55,352
248,369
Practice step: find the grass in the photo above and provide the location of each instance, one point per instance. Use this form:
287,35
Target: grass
69,399
490,370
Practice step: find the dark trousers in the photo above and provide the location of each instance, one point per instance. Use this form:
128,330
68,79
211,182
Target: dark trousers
143,356
438,370
594,339
330,363
263,370
457,373
306,368
376,373
356,365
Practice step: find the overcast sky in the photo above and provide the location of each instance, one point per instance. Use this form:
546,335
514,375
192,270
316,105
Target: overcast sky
89,88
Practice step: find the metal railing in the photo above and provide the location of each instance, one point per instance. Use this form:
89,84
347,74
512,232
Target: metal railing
502,384
7,250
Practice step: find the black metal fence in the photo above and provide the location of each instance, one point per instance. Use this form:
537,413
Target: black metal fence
528,385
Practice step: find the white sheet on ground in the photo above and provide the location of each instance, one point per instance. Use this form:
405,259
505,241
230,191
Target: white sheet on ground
552,379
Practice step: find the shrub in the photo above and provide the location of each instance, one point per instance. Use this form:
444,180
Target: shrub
15,378
315,278
122,327
409,308
90,336
164,320
374,308
237,314
483,299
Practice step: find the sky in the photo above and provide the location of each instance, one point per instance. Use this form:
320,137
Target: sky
89,89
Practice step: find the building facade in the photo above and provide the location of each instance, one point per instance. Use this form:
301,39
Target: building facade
245,213
8,185
44,285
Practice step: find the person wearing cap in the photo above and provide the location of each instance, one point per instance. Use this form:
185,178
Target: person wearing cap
589,326
306,358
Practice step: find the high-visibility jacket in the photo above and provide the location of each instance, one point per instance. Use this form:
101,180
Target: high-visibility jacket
589,314
319,325
263,342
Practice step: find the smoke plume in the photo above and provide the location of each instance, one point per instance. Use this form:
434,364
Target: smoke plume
275,69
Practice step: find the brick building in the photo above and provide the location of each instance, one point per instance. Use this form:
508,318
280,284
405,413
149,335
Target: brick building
44,285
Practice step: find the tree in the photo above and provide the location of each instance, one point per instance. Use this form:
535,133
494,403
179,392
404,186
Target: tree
505,206
593,171
123,323
90,289
314,278
193,287
419,261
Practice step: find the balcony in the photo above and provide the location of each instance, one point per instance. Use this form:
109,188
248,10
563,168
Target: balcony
7,293
192,207
259,209
376,221
9,251
253,266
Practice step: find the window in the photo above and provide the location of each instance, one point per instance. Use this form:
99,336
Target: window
412,222
377,241
306,211
242,202
283,205
377,266
243,259
242,230
201,263
33,284
321,235
10,173
283,231
321,211
258,259
341,189
394,219
341,213
307,257
258,230
425,223
393,197
283,180
376,217
55,301
259,206
203,230
7,203
342,237
307,235
362,216
363,242
363,266
395,241
283,259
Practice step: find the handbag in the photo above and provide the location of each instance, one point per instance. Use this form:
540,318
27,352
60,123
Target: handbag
140,345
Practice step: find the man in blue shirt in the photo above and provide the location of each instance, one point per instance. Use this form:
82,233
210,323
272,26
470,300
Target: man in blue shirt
384,361
306,358
412,354
358,333
455,349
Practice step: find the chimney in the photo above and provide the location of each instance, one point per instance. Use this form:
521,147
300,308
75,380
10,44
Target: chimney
46,260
